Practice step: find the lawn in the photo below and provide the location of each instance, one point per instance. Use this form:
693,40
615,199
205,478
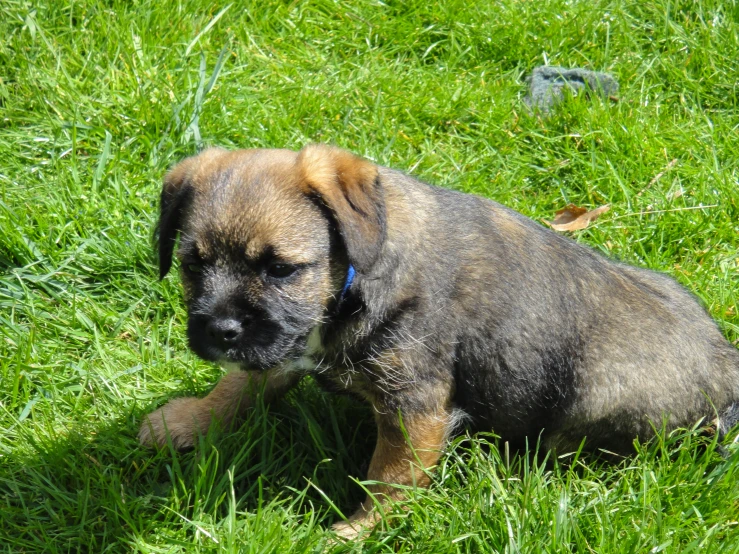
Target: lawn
99,98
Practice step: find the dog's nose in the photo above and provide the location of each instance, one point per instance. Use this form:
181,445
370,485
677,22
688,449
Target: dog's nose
225,331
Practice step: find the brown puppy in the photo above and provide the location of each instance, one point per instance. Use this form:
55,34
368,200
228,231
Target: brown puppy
431,305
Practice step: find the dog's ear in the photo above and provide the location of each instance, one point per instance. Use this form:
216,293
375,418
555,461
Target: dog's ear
350,187
177,193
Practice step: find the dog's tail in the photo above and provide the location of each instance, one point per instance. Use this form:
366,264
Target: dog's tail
728,419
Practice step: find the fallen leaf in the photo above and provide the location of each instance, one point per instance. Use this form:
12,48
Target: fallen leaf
574,218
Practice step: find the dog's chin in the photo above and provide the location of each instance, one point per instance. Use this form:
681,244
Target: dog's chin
246,356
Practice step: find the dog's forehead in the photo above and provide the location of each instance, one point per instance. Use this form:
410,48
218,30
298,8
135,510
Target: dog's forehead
250,202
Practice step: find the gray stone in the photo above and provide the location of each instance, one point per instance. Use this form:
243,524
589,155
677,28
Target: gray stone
548,83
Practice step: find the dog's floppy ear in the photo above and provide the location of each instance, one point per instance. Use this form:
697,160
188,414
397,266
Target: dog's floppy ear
350,187
176,194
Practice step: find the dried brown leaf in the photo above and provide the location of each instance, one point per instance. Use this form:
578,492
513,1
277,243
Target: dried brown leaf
574,218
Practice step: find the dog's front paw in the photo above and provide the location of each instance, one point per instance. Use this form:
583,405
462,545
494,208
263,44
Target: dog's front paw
180,419
360,524
348,530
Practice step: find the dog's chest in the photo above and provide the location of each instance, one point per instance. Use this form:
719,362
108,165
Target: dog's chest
347,380
369,375
337,374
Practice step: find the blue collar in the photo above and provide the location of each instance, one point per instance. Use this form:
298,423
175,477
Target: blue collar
348,283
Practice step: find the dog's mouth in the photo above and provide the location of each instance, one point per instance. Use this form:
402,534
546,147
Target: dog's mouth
259,348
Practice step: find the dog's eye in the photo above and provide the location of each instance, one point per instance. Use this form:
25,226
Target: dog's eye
194,268
281,270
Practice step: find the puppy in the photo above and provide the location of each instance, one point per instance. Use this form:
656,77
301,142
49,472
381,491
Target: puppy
431,305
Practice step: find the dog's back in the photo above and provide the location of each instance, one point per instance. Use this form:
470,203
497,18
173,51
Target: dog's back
546,334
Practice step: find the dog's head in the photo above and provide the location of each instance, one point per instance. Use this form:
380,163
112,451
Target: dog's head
266,240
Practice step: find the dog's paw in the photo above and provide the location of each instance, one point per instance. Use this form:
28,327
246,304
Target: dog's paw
348,530
357,526
180,419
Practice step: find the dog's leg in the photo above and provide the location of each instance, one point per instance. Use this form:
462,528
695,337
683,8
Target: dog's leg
183,418
401,459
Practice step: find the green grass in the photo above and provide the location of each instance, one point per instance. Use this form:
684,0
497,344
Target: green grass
98,98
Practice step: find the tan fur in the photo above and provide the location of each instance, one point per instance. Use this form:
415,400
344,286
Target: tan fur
338,176
347,186
193,170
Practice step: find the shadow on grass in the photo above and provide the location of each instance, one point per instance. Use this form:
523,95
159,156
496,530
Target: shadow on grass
96,490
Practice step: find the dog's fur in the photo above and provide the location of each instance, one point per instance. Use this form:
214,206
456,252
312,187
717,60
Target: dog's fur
460,308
